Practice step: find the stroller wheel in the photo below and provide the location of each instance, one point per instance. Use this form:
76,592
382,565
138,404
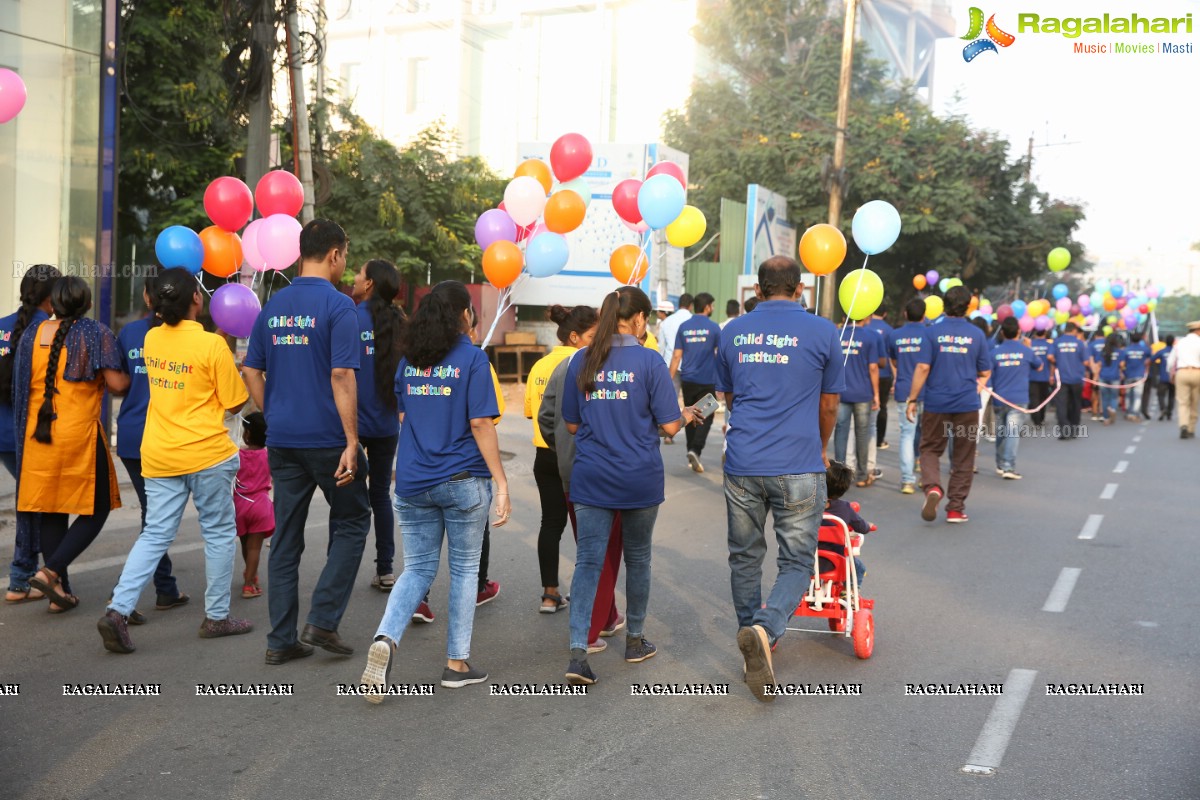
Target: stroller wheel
863,633
837,625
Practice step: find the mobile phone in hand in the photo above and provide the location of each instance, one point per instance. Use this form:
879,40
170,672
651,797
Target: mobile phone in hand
707,405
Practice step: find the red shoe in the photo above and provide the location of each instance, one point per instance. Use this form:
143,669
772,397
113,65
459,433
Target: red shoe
423,613
933,496
488,593
956,516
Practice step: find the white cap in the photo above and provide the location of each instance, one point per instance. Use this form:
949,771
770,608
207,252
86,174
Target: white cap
666,306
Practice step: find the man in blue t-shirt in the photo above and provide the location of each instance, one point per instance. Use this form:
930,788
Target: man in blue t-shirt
1074,360
952,371
878,323
905,346
306,340
1165,387
694,360
1013,364
1039,379
780,370
1135,357
861,351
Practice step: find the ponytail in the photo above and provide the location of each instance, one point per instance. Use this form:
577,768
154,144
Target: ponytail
620,305
435,327
387,322
36,285
72,298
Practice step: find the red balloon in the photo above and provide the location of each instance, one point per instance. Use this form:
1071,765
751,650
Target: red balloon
624,200
668,168
1121,303
228,203
279,192
570,156
1144,309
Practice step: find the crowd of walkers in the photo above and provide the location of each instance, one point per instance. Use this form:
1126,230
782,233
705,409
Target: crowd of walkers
394,421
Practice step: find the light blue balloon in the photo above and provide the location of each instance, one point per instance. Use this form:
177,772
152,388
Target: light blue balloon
580,187
1060,291
1101,288
1117,291
546,255
876,226
660,200
943,285
179,246
1018,308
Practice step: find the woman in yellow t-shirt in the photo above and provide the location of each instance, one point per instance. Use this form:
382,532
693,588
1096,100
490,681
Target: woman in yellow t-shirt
186,451
575,328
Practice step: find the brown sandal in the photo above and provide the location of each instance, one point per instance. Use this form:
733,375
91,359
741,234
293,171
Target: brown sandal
49,587
28,595
870,479
58,609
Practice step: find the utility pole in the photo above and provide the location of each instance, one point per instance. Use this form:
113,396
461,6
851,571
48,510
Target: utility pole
837,176
262,40
301,140
1029,161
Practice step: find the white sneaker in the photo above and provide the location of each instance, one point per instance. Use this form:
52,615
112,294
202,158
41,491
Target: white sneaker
1011,475
694,462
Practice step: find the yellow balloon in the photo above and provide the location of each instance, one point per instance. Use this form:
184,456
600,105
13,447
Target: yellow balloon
688,227
933,307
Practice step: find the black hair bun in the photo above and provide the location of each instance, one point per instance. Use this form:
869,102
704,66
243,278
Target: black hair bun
557,314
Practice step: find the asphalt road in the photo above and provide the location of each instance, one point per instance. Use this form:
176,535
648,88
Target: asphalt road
954,604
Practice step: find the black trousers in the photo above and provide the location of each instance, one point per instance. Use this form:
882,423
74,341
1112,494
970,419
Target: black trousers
885,391
697,435
1038,392
1166,399
1069,408
554,512
1148,388
63,543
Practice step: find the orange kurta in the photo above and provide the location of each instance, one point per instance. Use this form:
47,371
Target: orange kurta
61,477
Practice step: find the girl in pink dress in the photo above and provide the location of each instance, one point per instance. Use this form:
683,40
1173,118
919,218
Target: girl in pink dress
252,499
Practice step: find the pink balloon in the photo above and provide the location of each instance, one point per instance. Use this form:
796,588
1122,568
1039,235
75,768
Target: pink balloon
668,168
985,309
641,226
12,95
279,192
1004,312
1026,323
279,241
250,246
1121,303
1063,304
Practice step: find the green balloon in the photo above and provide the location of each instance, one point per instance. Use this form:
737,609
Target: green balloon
1107,330
860,294
1058,259
950,284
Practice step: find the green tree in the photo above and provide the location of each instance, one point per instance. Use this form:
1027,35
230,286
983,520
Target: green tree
766,116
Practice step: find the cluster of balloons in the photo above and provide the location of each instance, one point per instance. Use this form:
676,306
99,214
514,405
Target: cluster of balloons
1120,307
875,228
537,213
12,95
657,202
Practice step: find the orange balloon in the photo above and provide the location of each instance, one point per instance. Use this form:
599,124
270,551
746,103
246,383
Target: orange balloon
564,211
974,304
537,169
1109,303
822,249
919,282
502,263
628,264
222,251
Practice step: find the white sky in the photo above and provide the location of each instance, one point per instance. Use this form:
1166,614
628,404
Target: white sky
1136,162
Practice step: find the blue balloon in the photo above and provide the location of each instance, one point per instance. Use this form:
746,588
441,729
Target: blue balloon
876,226
546,255
178,246
1018,308
1060,291
1116,290
660,200
943,285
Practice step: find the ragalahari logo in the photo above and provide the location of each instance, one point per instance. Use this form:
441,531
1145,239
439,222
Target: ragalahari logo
995,36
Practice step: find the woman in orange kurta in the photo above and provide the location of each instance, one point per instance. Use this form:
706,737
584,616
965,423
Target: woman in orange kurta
63,459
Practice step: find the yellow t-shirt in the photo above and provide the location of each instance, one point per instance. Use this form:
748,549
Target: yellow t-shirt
193,380
539,376
499,395
651,340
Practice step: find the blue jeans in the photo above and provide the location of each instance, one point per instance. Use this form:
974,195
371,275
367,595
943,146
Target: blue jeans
1108,401
796,503
164,579
909,444
860,414
595,524
298,473
166,498
458,510
1009,422
381,457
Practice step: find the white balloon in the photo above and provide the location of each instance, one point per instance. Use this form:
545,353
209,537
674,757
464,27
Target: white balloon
524,199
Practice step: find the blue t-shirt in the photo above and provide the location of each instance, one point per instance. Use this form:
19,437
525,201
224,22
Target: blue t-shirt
131,420
777,362
303,333
1070,356
1110,372
1134,357
905,345
958,352
8,435
698,338
861,347
375,419
617,460
1160,358
438,404
1042,348
885,332
1012,365
1096,348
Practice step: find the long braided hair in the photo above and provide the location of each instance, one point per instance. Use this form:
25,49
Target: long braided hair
71,298
387,321
36,285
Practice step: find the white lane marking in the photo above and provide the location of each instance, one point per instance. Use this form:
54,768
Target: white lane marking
1110,491
1130,450
1061,592
1092,526
989,748
1137,438
1121,466
117,561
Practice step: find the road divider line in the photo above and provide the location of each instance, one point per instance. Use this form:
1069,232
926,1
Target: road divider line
1137,438
1121,466
1110,491
993,740
1092,526
1130,450
1061,591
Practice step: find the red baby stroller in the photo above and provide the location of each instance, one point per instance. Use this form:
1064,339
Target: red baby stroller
833,591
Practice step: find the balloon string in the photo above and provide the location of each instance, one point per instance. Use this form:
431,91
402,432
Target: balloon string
203,288
642,255
846,322
503,304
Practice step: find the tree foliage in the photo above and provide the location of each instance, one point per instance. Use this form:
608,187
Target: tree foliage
767,115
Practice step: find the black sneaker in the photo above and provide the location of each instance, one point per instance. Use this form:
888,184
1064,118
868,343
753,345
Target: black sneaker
638,649
453,679
579,673
162,602
115,633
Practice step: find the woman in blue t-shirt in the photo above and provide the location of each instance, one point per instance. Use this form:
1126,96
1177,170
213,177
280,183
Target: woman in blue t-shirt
1110,373
448,451
617,399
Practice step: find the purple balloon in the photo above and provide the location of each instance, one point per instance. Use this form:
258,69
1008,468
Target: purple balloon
931,277
494,225
234,308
